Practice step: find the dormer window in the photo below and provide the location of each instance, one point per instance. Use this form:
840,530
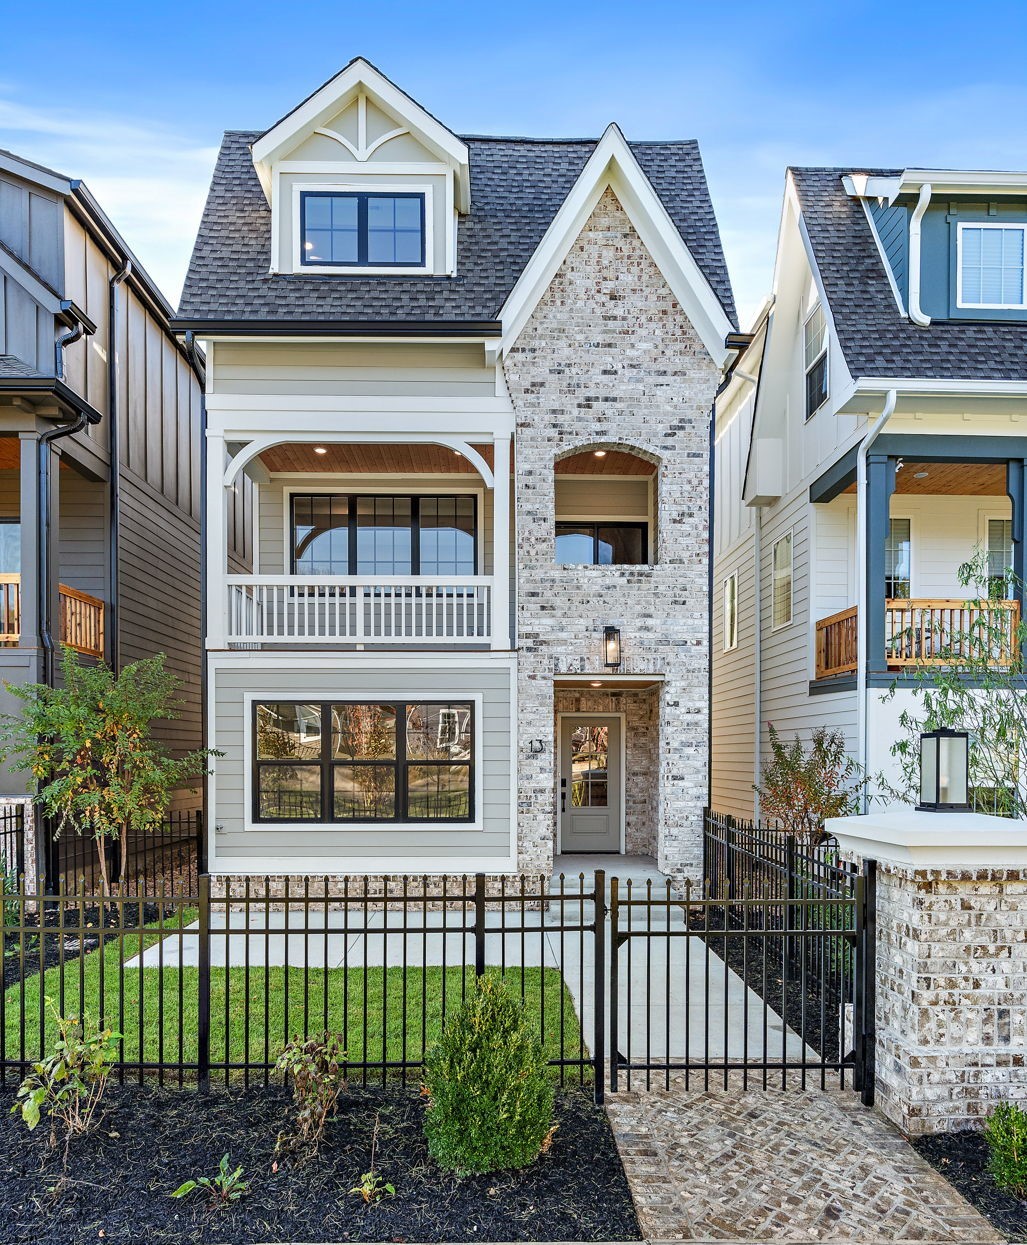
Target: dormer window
990,266
361,229
814,345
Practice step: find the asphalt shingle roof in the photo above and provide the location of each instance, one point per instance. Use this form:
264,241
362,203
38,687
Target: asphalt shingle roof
517,186
875,338
13,368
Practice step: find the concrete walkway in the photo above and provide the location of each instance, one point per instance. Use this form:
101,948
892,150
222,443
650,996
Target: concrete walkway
781,1166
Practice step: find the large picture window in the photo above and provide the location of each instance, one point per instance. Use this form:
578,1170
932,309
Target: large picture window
341,534
354,762
356,229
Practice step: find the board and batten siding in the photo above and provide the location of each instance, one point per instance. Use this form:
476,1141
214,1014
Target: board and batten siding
238,846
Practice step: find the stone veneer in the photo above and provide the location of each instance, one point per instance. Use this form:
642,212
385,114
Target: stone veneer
609,359
951,994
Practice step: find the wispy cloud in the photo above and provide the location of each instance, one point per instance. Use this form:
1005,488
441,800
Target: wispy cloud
150,179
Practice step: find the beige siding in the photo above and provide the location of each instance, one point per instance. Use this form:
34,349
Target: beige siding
733,709
600,497
337,848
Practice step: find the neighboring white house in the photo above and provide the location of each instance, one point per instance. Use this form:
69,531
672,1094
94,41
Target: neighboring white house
898,323
472,380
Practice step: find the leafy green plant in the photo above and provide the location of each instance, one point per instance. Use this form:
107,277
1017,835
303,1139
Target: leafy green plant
801,787
371,1187
68,1085
1006,1135
316,1068
89,746
490,1092
975,683
223,1189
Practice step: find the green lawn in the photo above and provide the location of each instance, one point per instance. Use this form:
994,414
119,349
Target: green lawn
382,1013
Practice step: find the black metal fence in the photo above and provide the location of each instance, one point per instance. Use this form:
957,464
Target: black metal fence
168,857
12,841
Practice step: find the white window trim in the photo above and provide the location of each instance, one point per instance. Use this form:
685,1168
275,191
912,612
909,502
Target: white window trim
911,519
780,626
981,224
985,517
348,187
731,623
824,354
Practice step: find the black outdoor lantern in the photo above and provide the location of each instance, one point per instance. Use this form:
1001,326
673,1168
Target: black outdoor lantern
944,771
611,648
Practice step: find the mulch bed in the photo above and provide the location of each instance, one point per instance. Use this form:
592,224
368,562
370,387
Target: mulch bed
120,1176
962,1158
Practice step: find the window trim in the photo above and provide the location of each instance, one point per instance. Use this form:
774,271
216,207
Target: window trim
731,613
985,518
425,189
596,524
905,518
780,626
327,765
989,224
824,354
292,492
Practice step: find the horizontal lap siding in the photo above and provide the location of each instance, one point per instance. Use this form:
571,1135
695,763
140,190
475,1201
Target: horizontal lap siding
83,534
734,688
336,846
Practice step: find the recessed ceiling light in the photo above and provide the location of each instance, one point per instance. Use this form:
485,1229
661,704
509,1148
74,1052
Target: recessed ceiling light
920,475
599,453
595,683
320,449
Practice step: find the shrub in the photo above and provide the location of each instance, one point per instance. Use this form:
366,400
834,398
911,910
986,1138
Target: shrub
489,1086
316,1069
1006,1135
67,1086
801,788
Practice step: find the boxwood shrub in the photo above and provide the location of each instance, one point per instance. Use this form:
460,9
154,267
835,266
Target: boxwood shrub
1006,1135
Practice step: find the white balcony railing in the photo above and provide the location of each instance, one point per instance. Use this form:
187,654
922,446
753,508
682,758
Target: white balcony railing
350,609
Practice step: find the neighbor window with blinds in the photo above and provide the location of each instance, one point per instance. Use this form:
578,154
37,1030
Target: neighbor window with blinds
1000,558
396,761
357,534
782,604
814,345
897,551
990,270
731,612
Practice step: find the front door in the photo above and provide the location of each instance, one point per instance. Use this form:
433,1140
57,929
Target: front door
591,784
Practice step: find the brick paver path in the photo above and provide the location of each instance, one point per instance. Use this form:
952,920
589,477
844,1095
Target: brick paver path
782,1166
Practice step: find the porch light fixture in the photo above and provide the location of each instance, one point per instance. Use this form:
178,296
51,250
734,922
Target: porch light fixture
944,771
320,449
599,453
611,648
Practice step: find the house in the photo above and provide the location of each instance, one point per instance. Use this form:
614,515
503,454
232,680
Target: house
100,433
869,441
471,380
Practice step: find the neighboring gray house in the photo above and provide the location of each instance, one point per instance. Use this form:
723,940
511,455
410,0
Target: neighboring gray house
471,380
897,335
100,433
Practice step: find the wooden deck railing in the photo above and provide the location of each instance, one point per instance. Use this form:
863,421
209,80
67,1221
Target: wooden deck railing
81,621
836,644
922,631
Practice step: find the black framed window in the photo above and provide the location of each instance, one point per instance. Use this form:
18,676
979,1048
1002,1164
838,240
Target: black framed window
335,762
602,544
359,229
360,534
814,348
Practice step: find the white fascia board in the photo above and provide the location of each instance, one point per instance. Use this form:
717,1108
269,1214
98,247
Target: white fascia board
481,426
613,164
963,181
930,386
360,75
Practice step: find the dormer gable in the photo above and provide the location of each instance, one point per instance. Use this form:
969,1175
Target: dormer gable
361,180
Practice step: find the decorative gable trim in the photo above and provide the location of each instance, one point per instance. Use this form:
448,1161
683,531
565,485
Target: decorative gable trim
613,166
361,81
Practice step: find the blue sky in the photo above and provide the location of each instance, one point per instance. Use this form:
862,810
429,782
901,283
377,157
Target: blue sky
133,98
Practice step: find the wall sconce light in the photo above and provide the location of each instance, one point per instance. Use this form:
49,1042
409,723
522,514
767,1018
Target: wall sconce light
611,648
944,771
535,746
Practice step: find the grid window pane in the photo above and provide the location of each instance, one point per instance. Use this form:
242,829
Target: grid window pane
439,792
447,536
321,534
814,336
364,792
1000,557
394,232
992,266
897,547
384,536
782,604
438,732
289,792
357,228
288,731
364,732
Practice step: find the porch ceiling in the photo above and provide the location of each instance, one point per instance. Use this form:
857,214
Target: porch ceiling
607,682
950,479
612,463
384,459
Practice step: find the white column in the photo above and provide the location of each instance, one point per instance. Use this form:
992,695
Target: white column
501,531
216,622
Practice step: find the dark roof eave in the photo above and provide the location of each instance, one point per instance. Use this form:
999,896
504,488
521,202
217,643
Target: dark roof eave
35,385
337,328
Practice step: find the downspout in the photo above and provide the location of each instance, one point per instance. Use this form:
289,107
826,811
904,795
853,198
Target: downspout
711,517
205,742
114,442
922,203
861,576
757,661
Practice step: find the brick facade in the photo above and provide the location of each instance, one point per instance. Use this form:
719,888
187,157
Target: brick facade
610,359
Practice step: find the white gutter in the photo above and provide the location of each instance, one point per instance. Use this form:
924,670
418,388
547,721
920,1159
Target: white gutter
915,314
861,574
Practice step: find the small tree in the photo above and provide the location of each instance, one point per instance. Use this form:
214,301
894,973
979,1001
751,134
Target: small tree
89,746
975,683
802,787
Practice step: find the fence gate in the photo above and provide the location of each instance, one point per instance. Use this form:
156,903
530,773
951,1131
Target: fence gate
761,977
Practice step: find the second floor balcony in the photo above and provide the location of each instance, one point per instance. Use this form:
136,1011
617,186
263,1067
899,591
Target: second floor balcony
81,617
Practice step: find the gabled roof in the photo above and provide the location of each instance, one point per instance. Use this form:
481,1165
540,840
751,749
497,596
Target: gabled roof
517,188
874,336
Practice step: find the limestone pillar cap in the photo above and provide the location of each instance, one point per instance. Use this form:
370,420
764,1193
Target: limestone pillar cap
917,840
